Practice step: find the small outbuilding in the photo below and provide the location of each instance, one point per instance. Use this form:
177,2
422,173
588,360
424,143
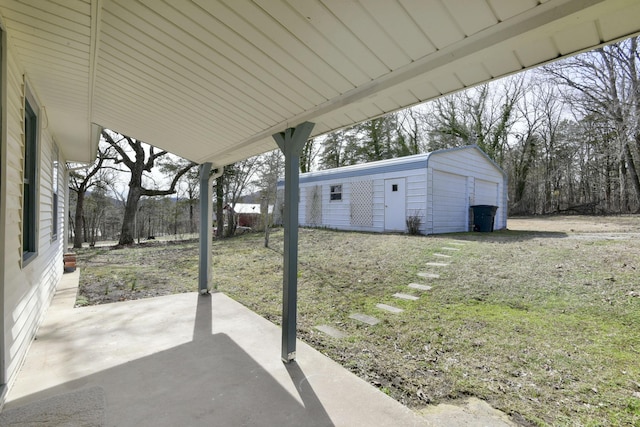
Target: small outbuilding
437,188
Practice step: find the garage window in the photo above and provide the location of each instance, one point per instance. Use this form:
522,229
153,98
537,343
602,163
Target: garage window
336,192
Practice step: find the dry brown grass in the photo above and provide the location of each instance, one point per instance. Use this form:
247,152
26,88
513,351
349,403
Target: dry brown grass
541,320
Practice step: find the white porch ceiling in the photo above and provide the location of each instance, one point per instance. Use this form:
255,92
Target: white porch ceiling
212,80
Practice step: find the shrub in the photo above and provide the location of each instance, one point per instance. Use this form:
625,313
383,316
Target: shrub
413,223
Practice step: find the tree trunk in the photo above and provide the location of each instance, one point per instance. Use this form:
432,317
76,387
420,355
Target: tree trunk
191,226
219,206
77,235
128,223
633,173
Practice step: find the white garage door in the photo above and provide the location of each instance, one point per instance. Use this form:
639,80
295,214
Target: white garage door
486,192
449,202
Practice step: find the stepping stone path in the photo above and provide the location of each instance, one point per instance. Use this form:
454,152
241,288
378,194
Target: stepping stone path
331,331
369,320
406,296
429,275
389,308
419,287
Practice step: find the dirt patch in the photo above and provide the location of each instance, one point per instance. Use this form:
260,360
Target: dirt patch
112,273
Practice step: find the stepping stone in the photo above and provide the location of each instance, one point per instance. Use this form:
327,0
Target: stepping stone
442,255
429,275
369,320
457,243
331,331
419,287
438,264
389,308
406,296
447,248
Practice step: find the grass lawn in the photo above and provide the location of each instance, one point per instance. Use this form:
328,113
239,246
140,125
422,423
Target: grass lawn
544,325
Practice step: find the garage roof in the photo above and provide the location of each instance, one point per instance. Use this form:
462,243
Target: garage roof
212,80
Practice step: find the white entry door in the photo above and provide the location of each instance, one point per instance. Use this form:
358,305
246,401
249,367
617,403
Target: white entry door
394,205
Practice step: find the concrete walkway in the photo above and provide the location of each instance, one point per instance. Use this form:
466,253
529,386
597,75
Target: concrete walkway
186,360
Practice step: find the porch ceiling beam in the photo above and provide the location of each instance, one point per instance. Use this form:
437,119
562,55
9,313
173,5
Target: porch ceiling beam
291,142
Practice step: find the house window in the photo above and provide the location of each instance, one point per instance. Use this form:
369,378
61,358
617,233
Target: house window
29,186
336,192
394,187
55,168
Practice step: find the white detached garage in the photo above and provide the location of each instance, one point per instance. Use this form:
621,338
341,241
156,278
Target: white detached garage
438,187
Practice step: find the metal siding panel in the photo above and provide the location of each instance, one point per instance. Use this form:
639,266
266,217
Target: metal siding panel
577,38
473,74
505,9
435,21
401,28
342,38
537,52
619,23
405,97
447,83
425,90
472,16
235,30
386,104
222,46
168,51
314,40
502,63
358,19
282,40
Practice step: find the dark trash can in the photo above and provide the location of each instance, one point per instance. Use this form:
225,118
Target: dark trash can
483,217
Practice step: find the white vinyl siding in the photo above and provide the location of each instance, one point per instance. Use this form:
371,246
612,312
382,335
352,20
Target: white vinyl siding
27,289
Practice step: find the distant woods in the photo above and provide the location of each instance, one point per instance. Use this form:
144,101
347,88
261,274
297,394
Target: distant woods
567,135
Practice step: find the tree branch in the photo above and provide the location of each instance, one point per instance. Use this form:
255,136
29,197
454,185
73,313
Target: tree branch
174,182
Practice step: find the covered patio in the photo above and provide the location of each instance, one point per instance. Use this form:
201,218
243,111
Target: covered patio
217,82
182,360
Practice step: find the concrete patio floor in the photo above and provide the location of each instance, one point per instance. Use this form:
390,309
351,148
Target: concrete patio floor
191,360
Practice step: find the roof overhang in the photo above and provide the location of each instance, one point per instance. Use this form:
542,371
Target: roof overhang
212,80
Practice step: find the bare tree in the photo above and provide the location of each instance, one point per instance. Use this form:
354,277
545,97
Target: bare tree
484,115
308,156
270,169
606,83
410,131
80,182
231,185
191,186
139,158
